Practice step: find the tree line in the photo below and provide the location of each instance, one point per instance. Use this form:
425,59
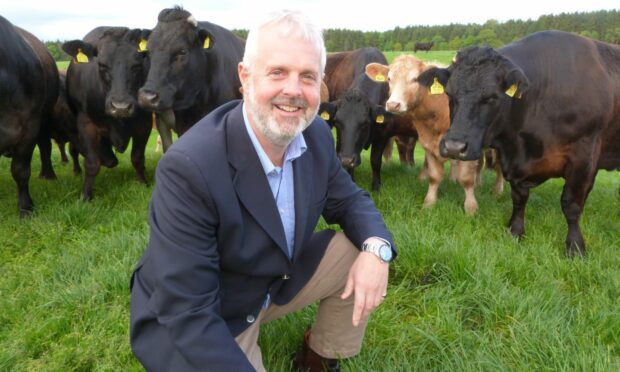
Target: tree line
601,25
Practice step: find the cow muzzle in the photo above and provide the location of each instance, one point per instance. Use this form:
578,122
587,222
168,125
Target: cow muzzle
120,109
348,162
148,99
453,149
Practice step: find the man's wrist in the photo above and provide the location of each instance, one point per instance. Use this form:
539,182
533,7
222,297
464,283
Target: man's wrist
380,248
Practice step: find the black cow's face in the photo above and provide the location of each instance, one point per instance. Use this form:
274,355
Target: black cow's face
178,65
122,69
352,120
476,84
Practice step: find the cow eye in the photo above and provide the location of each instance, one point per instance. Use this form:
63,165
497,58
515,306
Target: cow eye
104,71
180,54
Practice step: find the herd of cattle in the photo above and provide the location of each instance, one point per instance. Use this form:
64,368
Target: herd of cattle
547,105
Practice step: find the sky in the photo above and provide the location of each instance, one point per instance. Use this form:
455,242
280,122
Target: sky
71,19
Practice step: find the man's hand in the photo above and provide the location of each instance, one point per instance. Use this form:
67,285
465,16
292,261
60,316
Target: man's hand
368,278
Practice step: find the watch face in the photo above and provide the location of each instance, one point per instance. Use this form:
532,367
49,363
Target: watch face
385,253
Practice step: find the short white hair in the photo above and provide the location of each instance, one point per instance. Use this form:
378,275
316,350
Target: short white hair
288,22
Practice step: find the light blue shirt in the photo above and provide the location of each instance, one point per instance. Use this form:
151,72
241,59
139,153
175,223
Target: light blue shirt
281,180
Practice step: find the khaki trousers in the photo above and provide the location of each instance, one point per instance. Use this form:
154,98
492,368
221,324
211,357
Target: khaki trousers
333,334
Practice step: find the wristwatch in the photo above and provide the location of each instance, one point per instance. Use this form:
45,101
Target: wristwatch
381,250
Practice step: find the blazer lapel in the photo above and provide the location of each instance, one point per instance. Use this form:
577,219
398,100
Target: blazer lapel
250,181
302,173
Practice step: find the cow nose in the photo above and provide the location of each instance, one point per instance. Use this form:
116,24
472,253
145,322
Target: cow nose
392,106
120,105
452,149
121,109
148,98
347,162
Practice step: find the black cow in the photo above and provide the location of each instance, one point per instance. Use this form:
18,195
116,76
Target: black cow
28,90
108,67
423,46
354,98
193,70
550,103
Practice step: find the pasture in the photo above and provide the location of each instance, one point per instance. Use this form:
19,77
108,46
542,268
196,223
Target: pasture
463,294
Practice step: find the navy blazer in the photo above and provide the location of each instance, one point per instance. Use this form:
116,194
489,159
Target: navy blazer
217,246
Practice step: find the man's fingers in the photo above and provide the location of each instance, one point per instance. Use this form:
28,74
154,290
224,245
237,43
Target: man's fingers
348,289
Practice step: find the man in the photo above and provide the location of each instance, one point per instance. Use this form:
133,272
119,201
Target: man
232,219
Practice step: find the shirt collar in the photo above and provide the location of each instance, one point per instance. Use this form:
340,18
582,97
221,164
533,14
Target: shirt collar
294,150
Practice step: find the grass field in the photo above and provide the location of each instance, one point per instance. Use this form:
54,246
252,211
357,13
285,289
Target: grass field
463,294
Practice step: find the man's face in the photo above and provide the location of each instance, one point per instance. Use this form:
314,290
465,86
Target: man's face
282,87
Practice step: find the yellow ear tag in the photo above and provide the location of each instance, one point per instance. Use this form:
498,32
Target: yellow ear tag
380,119
325,115
512,90
436,88
207,43
80,57
379,77
142,46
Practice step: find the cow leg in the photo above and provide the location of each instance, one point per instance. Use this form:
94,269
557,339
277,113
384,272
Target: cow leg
139,139
467,173
75,157
90,139
405,147
20,170
435,175
423,176
45,151
378,147
520,196
454,169
63,153
579,182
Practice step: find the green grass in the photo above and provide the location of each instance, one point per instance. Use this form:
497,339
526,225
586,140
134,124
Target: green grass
62,65
463,294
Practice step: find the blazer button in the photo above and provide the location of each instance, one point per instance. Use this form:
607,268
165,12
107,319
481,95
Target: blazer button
250,318
285,277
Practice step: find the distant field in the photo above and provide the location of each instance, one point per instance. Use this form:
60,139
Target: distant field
62,65
441,56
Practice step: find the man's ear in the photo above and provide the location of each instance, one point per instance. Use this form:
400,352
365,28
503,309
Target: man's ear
80,51
377,72
515,83
206,39
327,112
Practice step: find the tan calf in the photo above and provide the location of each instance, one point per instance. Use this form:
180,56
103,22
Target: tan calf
431,117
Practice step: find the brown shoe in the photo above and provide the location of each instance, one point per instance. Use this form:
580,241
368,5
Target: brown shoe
307,360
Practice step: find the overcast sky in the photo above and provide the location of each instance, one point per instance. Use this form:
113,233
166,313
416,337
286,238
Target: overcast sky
70,19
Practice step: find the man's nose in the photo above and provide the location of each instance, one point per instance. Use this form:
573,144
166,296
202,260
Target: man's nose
293,86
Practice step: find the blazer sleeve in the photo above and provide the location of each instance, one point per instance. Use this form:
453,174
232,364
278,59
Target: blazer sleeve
185,263
348,205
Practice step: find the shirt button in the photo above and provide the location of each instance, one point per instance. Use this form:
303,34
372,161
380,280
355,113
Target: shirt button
250,318
285,277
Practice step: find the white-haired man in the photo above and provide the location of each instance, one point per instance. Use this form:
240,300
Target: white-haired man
232,218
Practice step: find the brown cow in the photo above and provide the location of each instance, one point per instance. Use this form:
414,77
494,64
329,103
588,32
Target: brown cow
431,117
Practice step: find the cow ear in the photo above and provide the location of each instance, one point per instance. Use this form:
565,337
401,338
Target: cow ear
80,51
327,111
379,115
377,72
515,83
434,75
205,38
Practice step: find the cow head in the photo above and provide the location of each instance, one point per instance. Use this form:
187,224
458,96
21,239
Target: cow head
402,76
177,48
354,118
481,86
122,65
